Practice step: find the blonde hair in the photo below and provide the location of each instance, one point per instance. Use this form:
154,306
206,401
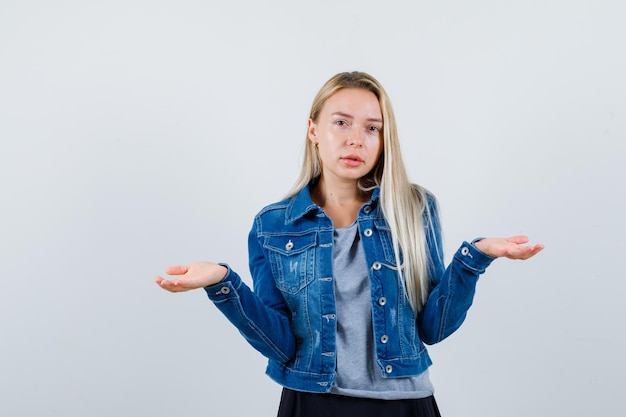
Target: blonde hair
404,205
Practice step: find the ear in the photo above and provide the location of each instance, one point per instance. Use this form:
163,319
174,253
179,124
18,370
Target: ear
312,129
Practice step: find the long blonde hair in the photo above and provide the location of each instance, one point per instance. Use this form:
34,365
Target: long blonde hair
404,205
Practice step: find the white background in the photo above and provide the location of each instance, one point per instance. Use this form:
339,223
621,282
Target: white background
136,135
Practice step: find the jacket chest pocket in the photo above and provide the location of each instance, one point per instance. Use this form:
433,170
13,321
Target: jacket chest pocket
292,259
384,234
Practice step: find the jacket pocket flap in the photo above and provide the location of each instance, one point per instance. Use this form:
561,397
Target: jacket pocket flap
290,245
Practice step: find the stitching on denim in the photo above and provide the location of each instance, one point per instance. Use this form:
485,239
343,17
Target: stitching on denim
282,356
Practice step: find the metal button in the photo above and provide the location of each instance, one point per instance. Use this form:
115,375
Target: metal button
384,338
465,251
367,209
376,266
289,245
225,290
367,232
389,369
382,301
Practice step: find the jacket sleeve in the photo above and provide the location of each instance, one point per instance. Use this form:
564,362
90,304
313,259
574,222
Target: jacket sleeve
452,289
261,316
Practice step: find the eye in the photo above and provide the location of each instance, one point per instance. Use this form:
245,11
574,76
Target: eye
341,123
374,129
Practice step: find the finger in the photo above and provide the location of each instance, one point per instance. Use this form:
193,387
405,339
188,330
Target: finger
519,239
534,250
173,286
162,282
177,270
525,252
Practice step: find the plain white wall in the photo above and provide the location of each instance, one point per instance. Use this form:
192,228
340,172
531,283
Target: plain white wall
135,135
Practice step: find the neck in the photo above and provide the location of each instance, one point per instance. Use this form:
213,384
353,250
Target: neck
339,194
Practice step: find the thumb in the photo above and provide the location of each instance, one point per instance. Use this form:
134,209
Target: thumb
177,270
520,239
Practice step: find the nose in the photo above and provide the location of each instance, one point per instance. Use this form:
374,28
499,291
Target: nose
356,138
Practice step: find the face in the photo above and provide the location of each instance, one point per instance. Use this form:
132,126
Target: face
348,134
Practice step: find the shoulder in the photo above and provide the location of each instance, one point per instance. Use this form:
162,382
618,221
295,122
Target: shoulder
270,218
425,197
273,215
275,207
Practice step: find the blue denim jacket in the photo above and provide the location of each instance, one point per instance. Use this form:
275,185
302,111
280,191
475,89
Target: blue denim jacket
290,315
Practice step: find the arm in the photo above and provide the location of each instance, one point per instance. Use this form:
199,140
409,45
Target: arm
261,316
453,288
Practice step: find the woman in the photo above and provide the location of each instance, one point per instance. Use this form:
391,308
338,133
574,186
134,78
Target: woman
349,282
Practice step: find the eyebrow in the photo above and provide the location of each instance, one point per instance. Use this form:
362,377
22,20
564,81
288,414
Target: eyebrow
349,116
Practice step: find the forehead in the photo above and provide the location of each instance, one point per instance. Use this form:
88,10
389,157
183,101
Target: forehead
356,102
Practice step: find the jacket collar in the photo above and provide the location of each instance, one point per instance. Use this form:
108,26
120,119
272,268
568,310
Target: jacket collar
301,203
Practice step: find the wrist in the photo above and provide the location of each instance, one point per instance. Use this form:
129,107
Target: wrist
480,244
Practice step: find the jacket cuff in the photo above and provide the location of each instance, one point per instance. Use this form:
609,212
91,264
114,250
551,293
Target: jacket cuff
225,289
472,258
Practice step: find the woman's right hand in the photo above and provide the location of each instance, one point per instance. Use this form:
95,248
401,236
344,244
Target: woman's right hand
192,276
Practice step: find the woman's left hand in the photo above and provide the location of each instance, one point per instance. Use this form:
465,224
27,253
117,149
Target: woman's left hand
511,247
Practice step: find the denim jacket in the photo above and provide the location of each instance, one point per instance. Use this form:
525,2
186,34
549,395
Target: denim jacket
290,316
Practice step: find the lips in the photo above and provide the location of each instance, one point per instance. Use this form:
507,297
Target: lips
352,160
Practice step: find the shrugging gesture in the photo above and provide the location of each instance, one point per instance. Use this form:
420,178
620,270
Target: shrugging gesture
348,277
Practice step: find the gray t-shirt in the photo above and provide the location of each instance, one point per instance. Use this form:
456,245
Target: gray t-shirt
358,373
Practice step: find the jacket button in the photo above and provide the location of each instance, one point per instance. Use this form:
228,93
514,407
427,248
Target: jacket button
367,232
389,369
367,209
376,266
384,338
225,290
465,251
289,245
382,301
